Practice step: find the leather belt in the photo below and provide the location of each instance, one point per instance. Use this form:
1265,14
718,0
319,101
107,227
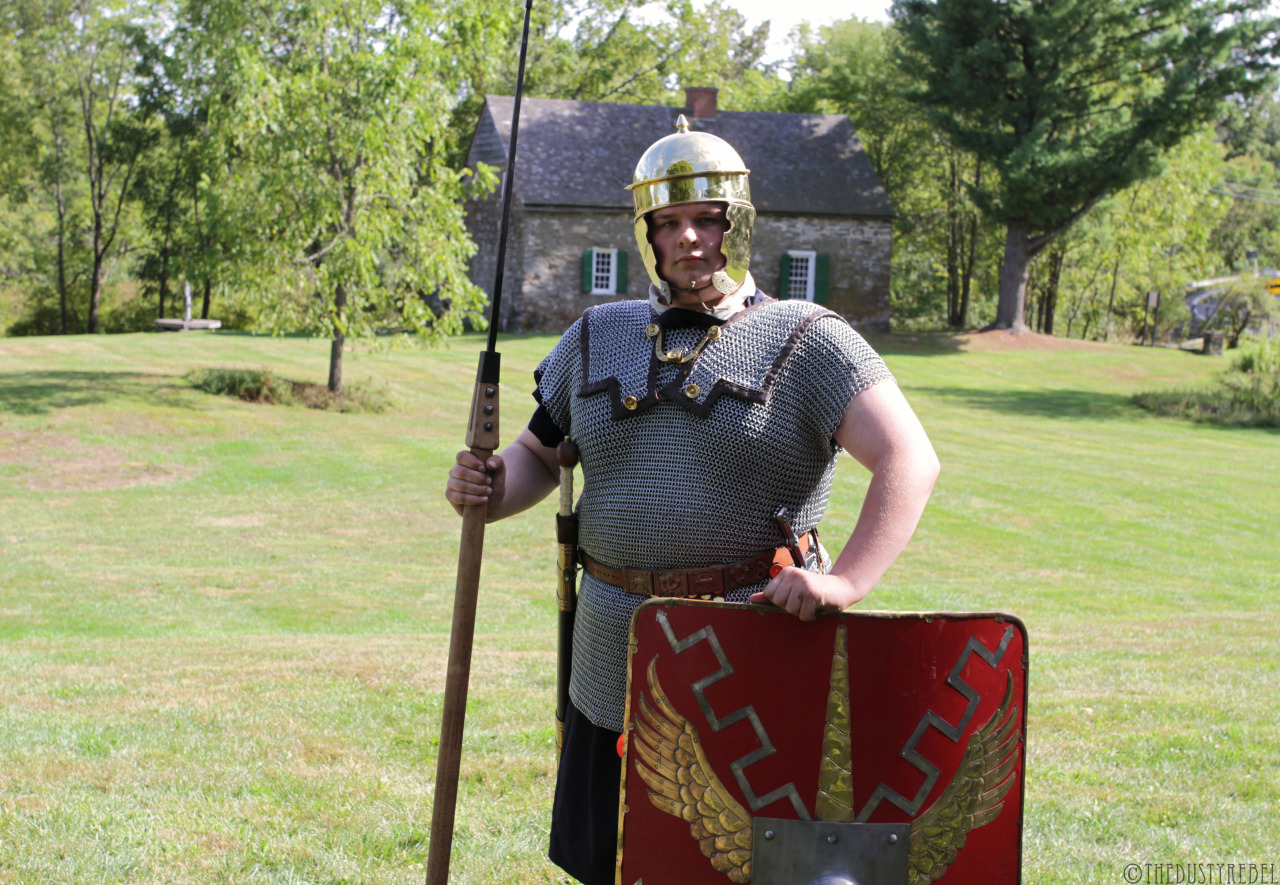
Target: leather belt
692,583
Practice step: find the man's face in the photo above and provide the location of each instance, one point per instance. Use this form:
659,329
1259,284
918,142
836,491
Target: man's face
686,242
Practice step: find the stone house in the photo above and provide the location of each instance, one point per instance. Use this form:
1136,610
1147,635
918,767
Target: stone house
822,232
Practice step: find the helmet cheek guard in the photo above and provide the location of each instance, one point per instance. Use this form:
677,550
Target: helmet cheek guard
695,167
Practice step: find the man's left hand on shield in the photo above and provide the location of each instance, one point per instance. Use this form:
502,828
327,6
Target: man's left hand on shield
807,594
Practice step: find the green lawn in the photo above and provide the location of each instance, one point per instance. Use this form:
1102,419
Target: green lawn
223,626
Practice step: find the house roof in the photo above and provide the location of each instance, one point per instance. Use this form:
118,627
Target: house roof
582,154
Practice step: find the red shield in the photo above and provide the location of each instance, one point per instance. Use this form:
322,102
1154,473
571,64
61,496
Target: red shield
737,713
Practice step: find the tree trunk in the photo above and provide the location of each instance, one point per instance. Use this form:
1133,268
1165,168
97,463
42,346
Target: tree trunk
163,282
335,350
955,228
61,203
170,198
335,363
1111,298
1058,259
95,281
1035,296
1012,307
1236,325
204,238
62,258
966,278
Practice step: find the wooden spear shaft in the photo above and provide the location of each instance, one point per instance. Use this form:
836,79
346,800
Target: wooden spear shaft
482,439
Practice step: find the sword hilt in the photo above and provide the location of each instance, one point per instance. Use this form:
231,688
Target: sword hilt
793,543
567,529
567,455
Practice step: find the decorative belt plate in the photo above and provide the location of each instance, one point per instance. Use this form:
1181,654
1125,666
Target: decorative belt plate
740,714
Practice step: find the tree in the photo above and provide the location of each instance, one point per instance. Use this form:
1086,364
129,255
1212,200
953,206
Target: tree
1071,100
642,52
1243,304
849,68
1155,234
1252,126
181,182
1253,221
98,49
42,131
335,113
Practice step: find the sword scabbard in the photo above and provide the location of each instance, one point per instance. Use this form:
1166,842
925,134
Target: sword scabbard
566,581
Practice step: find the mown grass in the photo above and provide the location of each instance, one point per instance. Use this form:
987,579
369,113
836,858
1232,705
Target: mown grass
223,625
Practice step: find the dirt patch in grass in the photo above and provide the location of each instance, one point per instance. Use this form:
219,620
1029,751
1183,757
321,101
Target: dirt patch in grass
25,802
109,470
242,521
60,463
11,348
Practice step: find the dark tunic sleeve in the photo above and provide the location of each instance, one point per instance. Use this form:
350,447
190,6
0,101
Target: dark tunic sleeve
555,381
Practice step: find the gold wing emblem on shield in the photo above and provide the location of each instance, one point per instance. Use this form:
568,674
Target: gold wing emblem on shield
974,797
682,783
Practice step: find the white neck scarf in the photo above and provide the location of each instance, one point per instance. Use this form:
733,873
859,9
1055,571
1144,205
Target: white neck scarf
730,305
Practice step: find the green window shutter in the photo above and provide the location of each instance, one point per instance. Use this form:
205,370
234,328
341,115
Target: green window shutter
784,277
821,274
620,278
588,269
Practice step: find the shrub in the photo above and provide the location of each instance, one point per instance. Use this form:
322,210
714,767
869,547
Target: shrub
251,385
132,315
1247,394
356,396
1262,359
262,386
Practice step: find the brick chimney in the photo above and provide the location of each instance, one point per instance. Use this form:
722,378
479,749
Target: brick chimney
701,100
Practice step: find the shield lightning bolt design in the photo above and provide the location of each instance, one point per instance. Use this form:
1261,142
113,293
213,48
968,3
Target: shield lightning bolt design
681,781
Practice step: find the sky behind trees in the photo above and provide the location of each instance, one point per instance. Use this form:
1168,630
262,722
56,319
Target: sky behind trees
785,16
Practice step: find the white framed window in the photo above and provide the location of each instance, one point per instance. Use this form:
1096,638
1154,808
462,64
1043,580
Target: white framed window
803,273
604,271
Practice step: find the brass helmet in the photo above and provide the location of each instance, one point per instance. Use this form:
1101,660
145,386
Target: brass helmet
695,167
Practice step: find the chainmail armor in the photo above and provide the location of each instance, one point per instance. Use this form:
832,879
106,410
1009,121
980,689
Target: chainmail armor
684,481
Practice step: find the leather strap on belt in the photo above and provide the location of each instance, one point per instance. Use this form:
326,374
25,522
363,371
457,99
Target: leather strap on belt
691,583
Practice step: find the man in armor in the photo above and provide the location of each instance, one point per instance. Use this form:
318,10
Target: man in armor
699,414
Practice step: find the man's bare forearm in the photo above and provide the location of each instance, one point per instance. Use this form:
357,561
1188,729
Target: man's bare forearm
529,476
883,434
520,476
896,496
